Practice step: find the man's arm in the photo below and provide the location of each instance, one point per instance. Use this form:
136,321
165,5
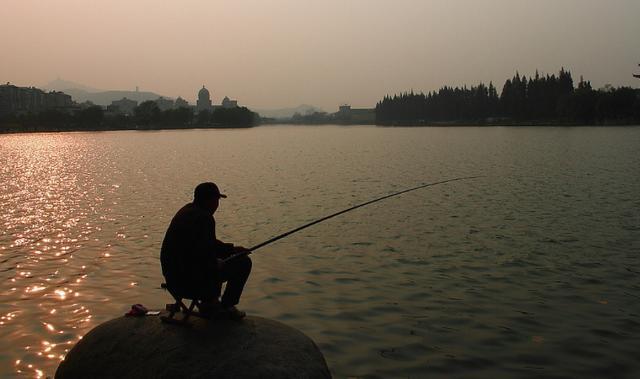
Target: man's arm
223,247
224,250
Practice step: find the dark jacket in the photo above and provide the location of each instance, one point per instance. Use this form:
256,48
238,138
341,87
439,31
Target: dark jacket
189,252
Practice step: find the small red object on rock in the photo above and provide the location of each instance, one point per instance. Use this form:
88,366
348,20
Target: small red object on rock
137,310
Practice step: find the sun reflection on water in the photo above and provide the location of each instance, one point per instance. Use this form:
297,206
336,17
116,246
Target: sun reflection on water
47,197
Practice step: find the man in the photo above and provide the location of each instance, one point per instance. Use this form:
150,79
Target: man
192,257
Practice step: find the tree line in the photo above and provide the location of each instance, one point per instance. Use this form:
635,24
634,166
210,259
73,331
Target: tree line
147,115
540,99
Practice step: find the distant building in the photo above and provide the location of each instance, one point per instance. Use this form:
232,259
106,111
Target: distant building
344,109
181,103
228,103
164,104
16,100
123,106
349,115
204,100
57,100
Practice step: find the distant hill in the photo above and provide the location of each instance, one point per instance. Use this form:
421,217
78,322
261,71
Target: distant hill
106,97
283,113
62,85
81,93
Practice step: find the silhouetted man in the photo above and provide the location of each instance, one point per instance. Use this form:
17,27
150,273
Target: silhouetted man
191,257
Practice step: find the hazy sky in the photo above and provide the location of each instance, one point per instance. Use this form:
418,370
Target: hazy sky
279,53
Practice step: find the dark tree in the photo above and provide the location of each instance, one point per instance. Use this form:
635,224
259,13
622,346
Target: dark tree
147,113
203,118
236,116
544,99
180,117
91,116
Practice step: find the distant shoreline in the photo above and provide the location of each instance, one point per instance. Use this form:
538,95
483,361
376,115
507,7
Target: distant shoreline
99,129
514,124
396,125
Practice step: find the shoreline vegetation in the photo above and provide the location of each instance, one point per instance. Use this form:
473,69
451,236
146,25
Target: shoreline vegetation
547,100
146,116
541,100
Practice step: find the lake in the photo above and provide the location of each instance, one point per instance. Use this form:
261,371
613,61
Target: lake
531,271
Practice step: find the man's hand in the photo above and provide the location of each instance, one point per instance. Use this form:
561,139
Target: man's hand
241,250
237,251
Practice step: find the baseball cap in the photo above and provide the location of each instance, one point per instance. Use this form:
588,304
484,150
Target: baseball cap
207,190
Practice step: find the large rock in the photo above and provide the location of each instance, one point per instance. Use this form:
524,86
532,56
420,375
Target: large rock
144,347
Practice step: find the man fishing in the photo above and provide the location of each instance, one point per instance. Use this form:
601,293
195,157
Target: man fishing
192,257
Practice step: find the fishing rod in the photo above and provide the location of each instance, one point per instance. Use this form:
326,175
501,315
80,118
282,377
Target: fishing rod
290,232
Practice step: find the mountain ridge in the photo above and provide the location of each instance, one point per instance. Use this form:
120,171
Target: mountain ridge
81,93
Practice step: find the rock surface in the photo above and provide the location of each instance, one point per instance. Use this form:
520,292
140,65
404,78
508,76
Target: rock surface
144,347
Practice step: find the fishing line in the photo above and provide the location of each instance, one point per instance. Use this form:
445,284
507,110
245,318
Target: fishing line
285,234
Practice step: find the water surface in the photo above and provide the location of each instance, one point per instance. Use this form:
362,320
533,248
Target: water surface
532,271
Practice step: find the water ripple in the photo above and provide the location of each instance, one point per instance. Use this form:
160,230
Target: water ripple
531,272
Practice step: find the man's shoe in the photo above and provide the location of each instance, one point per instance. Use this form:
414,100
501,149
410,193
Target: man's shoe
209,309
231,313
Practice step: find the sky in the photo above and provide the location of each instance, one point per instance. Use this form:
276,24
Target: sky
282,53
